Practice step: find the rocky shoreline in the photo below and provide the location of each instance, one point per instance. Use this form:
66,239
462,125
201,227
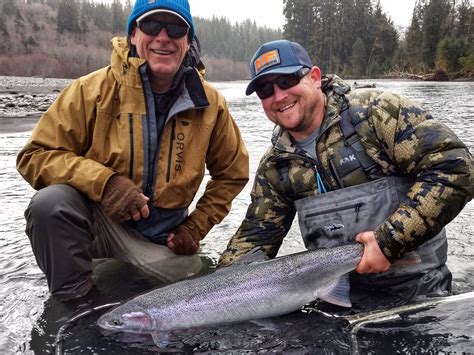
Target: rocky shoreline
28,96
24,105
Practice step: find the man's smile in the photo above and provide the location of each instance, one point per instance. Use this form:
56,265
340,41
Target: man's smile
287,107
162,51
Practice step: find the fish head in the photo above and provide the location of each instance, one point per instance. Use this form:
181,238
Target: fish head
124,319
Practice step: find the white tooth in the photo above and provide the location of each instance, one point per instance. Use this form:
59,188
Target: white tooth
161,52
287,107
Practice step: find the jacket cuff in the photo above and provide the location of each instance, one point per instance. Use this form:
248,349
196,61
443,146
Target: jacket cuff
95,190
386,237
198,223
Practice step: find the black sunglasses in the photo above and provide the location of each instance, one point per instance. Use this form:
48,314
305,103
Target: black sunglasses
153,28
284,81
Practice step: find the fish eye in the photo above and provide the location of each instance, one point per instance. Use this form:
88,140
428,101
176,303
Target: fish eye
116,322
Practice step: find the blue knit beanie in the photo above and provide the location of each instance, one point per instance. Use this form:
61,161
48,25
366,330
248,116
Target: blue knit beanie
180,7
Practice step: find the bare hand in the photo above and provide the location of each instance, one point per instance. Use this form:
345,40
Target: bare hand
373,260
143,212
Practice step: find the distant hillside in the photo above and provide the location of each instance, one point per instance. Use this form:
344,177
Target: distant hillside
35,41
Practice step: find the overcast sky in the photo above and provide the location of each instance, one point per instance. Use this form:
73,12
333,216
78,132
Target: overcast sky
270,12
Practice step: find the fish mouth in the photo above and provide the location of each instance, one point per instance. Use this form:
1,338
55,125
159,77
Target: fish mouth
130,322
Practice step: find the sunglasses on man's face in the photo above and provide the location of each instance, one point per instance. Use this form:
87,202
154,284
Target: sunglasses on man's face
153,28
285,81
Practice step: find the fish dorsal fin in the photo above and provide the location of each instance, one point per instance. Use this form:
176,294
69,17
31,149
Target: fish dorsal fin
338,293
254,255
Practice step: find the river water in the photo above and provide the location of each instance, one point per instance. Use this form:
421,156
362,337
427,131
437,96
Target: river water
30,320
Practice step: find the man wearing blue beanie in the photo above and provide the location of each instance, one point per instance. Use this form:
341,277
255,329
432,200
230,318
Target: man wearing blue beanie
119,156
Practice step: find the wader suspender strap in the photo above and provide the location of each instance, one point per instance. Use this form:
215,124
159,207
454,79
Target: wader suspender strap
351,137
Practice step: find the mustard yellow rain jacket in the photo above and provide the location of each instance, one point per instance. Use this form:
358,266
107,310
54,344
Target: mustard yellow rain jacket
104,124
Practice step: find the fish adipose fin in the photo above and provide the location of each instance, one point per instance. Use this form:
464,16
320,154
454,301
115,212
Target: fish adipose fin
338,293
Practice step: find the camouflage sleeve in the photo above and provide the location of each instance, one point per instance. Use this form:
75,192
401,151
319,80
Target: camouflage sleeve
420,146
268,219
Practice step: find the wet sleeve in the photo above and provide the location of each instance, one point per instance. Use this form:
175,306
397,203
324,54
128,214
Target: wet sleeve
267,221
428,150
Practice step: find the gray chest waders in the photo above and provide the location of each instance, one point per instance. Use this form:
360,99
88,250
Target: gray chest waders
336,217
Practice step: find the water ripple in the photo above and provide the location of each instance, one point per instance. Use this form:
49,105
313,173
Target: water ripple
24,289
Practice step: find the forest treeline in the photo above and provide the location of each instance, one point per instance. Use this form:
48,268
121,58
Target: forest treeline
356,37
69,38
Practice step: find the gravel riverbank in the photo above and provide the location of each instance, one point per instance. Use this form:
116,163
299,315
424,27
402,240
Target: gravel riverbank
28,96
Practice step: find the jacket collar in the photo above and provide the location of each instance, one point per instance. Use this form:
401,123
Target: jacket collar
130,71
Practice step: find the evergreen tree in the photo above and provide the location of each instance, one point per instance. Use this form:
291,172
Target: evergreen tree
220,39
19,20
54,4
346,27
465,21
323,40
358,58
86,14
3,26
119,18
414,38
365,29
68,17
448,52
102,17
300,18
9,8
435,16
384,45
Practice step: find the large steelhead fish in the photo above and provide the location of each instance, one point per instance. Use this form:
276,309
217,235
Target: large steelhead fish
240,292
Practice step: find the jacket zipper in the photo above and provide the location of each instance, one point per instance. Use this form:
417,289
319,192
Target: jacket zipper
150,165
130,122
319,166
168,172
356,207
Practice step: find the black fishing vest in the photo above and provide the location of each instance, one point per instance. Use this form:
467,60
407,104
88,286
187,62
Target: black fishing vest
353,166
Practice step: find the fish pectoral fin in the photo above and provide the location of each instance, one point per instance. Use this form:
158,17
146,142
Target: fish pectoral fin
338,293
265,323
161,339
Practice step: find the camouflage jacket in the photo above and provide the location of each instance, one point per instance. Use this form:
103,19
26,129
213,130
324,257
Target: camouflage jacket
399,136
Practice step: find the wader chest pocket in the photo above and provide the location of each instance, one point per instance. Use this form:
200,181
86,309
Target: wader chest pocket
336,217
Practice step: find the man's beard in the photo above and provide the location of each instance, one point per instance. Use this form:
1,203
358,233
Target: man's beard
307,120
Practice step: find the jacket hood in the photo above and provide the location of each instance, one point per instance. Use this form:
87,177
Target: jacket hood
124,67
335,90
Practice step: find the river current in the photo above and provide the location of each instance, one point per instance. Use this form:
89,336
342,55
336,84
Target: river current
30,320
